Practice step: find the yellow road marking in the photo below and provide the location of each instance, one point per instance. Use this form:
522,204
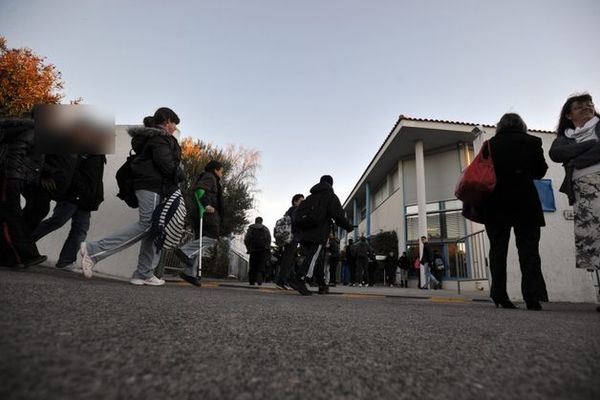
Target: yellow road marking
439,299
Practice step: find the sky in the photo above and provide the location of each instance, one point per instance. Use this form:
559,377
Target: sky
314,85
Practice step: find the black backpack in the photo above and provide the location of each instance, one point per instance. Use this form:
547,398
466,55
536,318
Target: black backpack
125,182
310,213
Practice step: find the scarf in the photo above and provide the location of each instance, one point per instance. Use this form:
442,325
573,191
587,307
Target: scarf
584,133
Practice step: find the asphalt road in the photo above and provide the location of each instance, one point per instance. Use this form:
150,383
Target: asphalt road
62,337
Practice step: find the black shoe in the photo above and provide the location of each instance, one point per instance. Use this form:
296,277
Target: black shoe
35,261
281,286
323,289
505,304
182,257
300,286
190,279
534,305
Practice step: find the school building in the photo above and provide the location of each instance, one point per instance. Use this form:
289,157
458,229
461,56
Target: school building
408,187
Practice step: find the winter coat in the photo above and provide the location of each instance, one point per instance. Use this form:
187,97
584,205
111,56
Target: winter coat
574,155
157,166
427,257
257,233
213,196
404,262
331,208
518,159
361,250
22,162
87,188
60,168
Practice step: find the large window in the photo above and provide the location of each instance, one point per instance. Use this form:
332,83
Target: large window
444,221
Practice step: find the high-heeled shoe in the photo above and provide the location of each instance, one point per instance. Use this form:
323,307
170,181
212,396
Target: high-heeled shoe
505,304
534,305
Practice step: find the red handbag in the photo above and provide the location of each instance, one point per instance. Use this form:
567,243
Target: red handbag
478,180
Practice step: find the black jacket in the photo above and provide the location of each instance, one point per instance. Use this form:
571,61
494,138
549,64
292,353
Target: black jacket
213,196
60,168
361,250
404,262
574,155
427,255
332,209
518,160
22,162
261,234
290,213
87,188
157,166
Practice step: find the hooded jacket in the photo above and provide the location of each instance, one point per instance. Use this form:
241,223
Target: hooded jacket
22,162
157,165
257,233
331,209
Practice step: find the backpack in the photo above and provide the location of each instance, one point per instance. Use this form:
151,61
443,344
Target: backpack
168,222
125,182
283,231
309,213
257,239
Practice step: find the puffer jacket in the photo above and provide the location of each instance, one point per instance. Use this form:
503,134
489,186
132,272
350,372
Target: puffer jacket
22,162
157,166
332,209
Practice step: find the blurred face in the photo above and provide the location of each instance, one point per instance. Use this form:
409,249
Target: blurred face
581,112
219,172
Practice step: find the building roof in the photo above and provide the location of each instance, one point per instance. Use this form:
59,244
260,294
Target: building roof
464,127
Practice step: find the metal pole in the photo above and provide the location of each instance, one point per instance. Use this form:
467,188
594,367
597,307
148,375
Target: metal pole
200,247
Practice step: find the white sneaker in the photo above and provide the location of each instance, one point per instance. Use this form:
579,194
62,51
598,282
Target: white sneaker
152,281
87,264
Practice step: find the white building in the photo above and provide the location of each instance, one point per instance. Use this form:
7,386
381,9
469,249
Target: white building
408,187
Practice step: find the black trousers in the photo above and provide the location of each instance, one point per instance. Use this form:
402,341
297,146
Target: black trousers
360,273
313,263
288,258
256,268
16,243
352,269
390,273
333,264
533,286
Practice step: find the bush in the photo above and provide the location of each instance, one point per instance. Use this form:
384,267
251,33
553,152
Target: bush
385,243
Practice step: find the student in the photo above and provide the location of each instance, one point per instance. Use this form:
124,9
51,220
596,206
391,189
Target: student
156,175
404,265
361,251
212,201
258,245
313,218
290,250
427,262
85,194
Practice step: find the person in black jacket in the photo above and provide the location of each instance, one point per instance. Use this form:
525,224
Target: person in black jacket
212,201
156,174
258,245
85,195
514,203
404,265
290,250
320,207
22,169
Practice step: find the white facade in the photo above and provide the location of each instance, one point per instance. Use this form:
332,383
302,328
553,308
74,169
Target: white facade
443,162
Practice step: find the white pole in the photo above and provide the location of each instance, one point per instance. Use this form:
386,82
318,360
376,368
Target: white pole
421,201
200,248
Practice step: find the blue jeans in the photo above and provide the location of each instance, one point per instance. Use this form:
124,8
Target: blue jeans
80,224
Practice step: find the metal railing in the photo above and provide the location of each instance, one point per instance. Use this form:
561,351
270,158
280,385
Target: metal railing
471,259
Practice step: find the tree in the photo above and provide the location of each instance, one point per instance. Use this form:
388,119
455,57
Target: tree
26,79
239,180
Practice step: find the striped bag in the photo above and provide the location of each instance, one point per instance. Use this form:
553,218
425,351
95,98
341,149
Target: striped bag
168,222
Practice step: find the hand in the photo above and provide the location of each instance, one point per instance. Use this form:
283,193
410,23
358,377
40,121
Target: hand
48,184
210,209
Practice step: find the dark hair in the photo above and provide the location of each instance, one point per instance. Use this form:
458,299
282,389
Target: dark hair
161,116
327,179
565,123
423,237
297,197
212,166
258,220
511,122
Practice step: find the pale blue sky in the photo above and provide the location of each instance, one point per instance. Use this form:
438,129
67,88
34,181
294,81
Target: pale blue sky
315,86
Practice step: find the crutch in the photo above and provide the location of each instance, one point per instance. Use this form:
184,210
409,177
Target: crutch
198,194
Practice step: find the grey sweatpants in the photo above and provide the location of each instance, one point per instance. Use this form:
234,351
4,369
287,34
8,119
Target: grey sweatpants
192,250
131,234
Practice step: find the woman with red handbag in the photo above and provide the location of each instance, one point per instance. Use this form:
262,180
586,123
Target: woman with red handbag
518,160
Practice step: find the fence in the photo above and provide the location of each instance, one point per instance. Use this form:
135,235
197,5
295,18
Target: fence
471,259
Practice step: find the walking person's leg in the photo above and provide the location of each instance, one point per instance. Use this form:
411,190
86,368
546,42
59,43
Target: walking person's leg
287,258
189,253
252,269
80,225
63,211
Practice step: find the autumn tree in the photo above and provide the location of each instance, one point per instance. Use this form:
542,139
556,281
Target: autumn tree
26,79
239,180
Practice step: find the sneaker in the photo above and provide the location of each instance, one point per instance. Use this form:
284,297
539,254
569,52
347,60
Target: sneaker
360,285
34,261
87,264
300,286
190,279
152,281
